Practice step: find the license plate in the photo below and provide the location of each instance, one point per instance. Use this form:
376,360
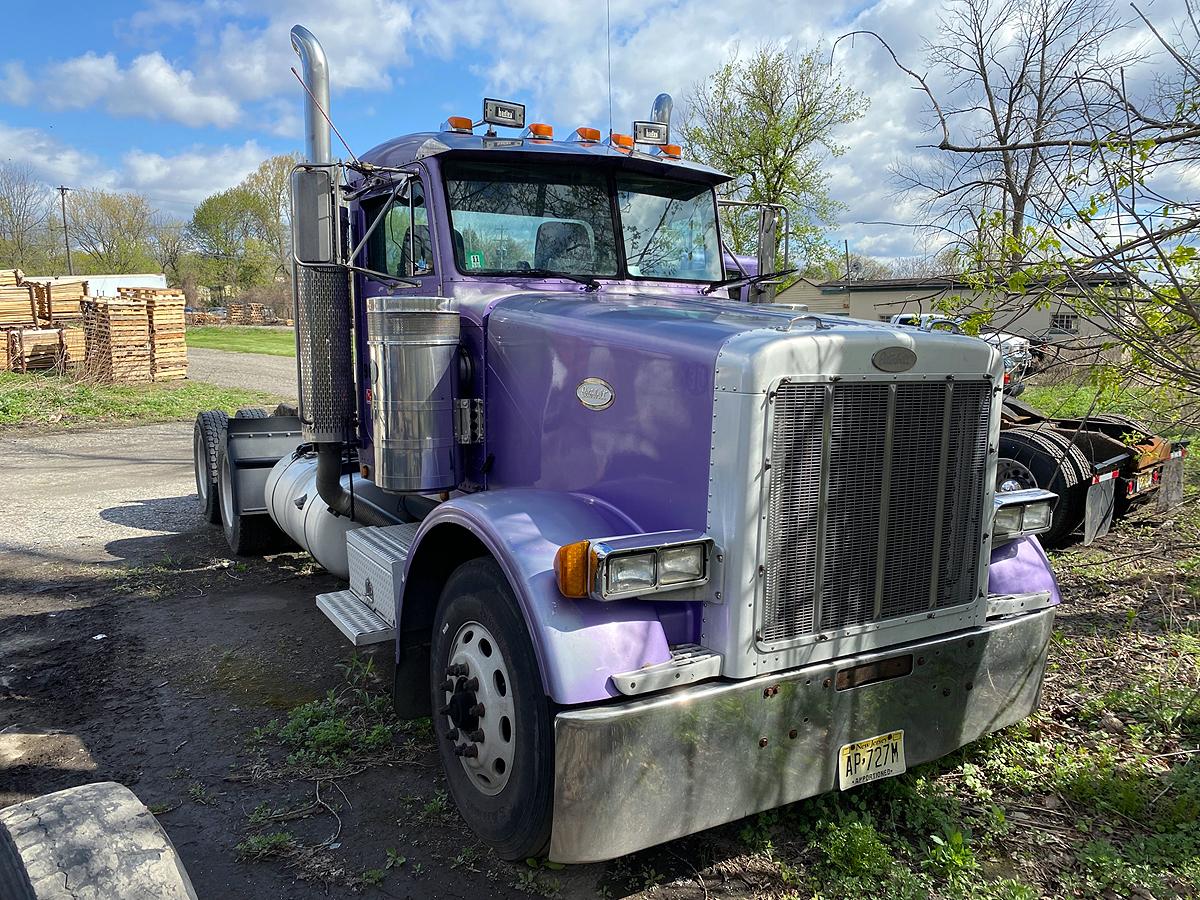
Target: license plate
1143,482
870,760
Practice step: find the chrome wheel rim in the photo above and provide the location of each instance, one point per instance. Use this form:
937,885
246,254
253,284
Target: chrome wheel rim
225,489
1013,475
200,461
478,715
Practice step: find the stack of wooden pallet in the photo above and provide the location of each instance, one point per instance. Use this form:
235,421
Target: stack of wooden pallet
10,277
35,349
57,302
168,352
251,314
16,305
118,339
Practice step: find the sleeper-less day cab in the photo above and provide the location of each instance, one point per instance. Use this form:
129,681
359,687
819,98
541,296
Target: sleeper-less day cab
654,554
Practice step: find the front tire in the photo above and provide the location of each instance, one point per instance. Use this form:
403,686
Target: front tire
498,759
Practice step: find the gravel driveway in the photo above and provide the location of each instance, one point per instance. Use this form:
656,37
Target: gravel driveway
95,496
255,371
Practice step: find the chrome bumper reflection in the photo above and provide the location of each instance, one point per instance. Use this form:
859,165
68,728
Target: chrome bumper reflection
634,774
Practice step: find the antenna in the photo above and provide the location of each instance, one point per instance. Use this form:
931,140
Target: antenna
325,116
608,35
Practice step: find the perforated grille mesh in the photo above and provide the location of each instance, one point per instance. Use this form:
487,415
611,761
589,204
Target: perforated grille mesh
836,479
323,332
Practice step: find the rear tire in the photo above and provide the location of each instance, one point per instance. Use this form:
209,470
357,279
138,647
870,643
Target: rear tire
207,439
247,535
1057,465
509,806
251,412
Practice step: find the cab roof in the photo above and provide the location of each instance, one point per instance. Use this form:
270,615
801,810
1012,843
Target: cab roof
409,148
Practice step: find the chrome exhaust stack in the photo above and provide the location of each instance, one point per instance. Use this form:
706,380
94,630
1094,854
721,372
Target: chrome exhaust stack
324,363
661,110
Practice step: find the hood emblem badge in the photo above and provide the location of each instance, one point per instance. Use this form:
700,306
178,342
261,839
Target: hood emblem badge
894,359
595,393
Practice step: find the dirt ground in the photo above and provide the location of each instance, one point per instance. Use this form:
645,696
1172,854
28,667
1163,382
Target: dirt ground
133,648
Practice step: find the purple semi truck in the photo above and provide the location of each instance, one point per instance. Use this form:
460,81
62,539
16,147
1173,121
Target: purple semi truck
654,552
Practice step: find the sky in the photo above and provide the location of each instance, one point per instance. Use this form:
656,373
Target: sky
177,100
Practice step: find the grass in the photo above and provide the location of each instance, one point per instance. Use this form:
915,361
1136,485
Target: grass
40,399
243,339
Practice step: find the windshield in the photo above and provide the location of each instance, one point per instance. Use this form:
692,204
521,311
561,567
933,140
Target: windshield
517,218
512,219
670,229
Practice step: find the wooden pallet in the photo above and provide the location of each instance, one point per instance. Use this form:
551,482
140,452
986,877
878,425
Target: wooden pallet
168,350
118,339
10,277
17,305
58,302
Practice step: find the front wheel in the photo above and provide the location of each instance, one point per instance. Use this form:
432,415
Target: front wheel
492,718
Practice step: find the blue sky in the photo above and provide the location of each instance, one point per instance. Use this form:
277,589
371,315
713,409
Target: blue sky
181,99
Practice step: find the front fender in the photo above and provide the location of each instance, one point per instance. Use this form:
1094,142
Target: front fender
1021,567
579,643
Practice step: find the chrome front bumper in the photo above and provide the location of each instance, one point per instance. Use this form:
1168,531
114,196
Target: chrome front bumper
633,774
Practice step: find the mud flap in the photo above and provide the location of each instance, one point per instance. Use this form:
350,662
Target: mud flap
1170,489
1098,513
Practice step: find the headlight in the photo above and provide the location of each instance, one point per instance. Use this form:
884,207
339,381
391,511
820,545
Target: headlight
1008,519
677,565
633,565
1019,513
1037,516
630,572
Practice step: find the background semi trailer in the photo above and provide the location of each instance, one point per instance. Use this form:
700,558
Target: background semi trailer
653,553
1102,466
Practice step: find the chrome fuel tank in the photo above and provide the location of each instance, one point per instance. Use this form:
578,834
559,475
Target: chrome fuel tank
413,346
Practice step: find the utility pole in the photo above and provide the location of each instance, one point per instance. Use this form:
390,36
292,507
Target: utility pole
66,238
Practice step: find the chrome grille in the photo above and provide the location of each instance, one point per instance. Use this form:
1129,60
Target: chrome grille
874,504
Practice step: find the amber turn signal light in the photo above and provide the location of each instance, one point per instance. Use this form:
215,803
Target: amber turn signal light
571,569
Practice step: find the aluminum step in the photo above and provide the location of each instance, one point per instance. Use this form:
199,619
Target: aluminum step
358,622
688,663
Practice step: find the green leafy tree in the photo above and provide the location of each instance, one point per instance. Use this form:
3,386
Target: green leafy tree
225,231
112,230
270,187
769,120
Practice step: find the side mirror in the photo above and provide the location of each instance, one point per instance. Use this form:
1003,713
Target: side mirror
314,228
768,241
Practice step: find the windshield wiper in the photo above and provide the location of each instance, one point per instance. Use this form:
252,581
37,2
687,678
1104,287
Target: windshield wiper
591,283
744,280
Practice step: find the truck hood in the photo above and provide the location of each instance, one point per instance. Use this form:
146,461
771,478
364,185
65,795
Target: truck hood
781,339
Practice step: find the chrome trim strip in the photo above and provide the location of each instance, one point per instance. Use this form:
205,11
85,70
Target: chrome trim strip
885,500
632,774
940,497
999,605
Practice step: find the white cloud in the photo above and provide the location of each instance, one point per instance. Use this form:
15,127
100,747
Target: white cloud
175,183
50,158
151,87
180,181
16,87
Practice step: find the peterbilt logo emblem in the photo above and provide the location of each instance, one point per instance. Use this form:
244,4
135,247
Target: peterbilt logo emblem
894,359
595,393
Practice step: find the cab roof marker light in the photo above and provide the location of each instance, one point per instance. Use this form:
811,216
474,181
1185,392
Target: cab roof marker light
622,142
539,131
460,124
653,133
585,135
669,151
504,113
